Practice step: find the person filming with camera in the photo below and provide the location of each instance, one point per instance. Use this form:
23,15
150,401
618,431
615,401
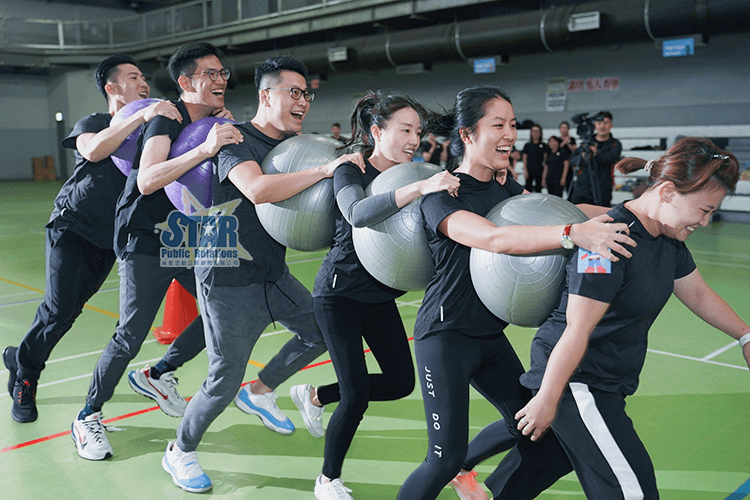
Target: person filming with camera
594,161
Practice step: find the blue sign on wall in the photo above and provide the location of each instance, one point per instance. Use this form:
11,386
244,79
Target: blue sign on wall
482,66
678,48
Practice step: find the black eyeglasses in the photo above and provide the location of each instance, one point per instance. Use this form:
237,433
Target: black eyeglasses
296,93
213,74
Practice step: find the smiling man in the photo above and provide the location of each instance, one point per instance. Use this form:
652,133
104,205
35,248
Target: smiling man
79,254
143,205
238,303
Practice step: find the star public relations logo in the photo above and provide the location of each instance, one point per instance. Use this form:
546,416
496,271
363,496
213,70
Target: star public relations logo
205,238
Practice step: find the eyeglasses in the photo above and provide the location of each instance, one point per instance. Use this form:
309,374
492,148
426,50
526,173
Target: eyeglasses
213,74
296,93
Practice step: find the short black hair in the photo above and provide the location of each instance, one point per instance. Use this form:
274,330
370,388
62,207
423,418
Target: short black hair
183,61
273,66
601,115
107,70
336,125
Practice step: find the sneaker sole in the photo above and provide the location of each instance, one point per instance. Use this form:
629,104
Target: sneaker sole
12,369
252,411
145,393
82,452
168,470
300,404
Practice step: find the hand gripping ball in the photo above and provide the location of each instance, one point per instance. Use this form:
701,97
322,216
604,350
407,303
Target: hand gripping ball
304,221
125,154
524,289
395,250
191,192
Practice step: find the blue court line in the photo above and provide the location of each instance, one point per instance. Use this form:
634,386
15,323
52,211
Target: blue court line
742,492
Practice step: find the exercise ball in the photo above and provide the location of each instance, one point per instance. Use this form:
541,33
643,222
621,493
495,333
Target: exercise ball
395,250
524,289
304,221
125,154
191,192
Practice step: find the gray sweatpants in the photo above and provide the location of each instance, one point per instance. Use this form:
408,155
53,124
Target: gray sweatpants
234,318
143,285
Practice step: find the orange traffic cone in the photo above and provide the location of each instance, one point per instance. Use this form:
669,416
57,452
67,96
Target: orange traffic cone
179,312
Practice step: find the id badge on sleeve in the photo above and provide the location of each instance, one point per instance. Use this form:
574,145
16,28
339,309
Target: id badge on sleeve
590,262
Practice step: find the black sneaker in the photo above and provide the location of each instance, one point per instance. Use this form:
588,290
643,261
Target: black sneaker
9,360
24,402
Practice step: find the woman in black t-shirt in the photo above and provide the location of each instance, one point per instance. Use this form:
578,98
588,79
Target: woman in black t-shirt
349,304
458,341
588,355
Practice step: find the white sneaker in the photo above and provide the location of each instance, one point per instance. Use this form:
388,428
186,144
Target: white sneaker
90,438
264,405
162,390
185,470
311,414
335,490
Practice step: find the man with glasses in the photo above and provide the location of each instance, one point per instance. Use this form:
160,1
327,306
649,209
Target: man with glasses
141,207
239,303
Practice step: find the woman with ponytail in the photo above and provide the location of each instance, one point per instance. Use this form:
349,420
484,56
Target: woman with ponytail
458,341
587,357
350,305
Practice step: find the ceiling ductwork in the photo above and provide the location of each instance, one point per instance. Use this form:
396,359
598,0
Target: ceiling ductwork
546,30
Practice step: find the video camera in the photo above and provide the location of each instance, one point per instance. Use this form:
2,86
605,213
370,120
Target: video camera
586,127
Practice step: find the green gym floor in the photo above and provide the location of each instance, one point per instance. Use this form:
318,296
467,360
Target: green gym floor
692,409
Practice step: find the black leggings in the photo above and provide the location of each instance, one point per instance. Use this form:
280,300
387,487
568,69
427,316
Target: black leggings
447,362
344,323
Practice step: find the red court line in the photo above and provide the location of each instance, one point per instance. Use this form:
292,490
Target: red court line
133,414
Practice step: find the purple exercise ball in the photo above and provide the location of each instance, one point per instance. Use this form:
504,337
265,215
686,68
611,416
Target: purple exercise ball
125,154
195,184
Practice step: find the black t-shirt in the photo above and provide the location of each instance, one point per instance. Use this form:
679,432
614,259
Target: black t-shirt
607,154
138,214
342,274
535,157
554,166
266,255
86,202
450,301
636,289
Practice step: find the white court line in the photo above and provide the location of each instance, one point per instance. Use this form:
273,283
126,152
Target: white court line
709,252
699,359
719,351
723,264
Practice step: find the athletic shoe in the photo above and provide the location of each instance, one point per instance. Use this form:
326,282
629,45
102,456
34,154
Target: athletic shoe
335,490
162,390
185,470
311,414
90,438
264,405
24,402
9,360
467,487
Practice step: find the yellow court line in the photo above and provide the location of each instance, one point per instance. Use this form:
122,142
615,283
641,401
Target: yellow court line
93,308
105,312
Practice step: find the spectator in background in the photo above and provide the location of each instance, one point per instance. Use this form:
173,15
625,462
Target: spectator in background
554,167
534,157
595,185
336,133
435,151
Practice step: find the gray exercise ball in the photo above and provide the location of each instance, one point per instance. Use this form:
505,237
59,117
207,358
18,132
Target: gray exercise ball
395,250
304,221
524,289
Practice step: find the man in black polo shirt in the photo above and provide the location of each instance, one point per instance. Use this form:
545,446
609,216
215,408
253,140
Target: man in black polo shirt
79,253
143,205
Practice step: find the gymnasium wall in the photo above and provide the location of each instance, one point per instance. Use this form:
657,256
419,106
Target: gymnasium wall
710,88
